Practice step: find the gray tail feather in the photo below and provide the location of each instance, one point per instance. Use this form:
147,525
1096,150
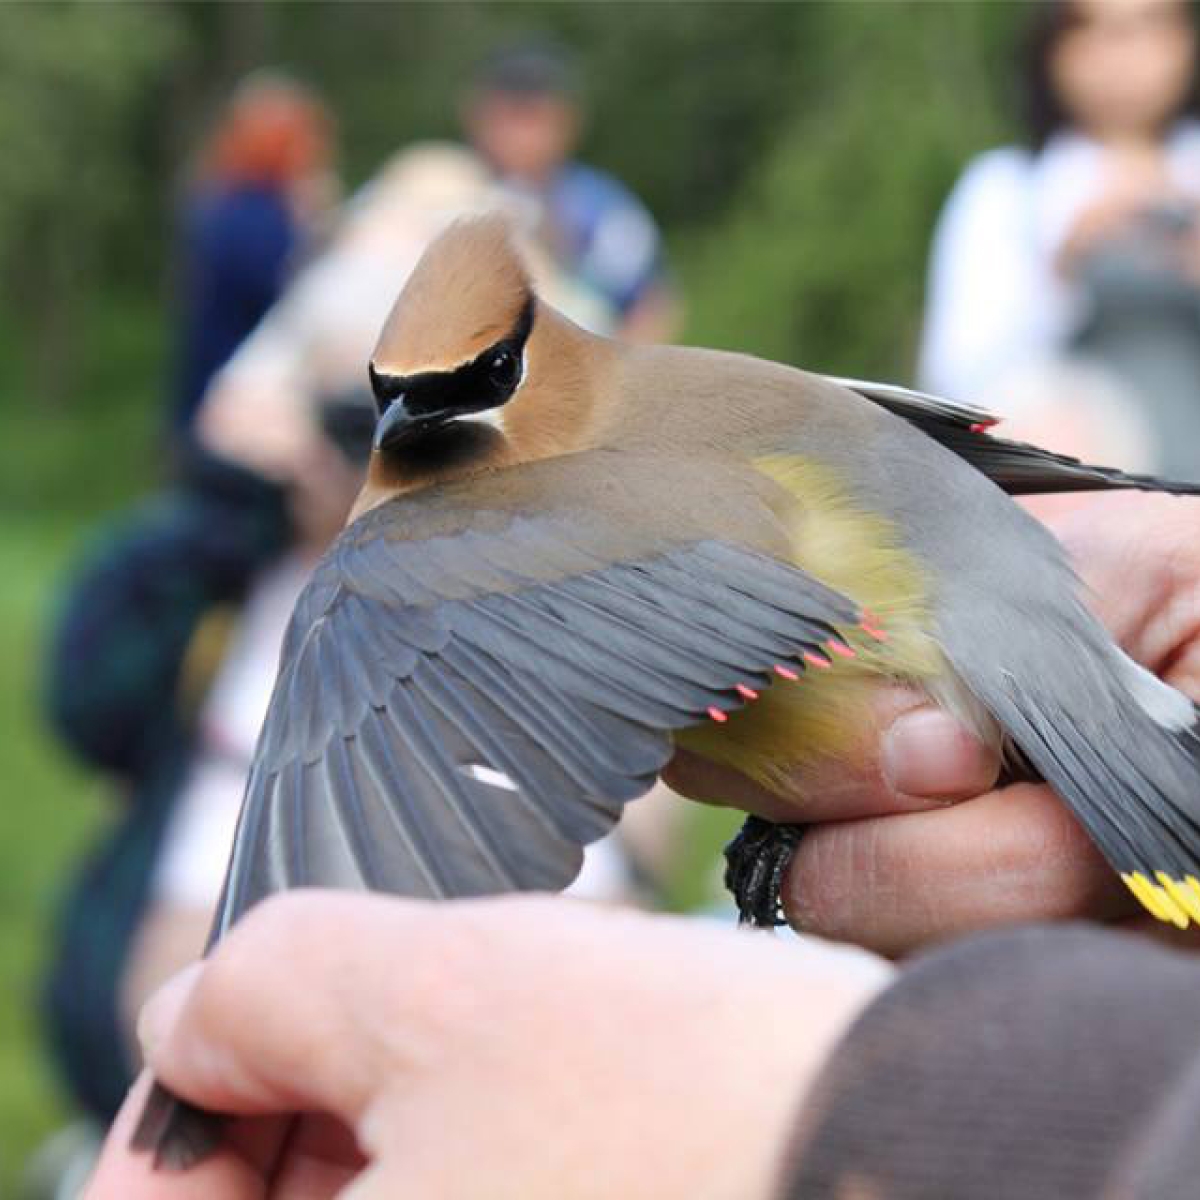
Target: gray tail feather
1133,783
176,1133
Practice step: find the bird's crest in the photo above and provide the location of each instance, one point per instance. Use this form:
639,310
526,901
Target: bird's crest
468,291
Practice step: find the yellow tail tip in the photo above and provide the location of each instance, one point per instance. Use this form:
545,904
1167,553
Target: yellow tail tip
1176,901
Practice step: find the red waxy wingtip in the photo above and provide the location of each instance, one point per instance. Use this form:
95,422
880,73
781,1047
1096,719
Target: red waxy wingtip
785,672
873,632
746,693
840,649
984,426
817,661
717,715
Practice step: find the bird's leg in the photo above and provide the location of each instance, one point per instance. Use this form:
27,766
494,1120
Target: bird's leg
755,862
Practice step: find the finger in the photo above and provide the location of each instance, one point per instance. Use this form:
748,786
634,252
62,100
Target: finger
124,1174
895,883
292,1010
320,1159
1142,587
912,756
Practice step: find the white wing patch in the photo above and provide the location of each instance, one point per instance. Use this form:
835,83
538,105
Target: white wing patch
492,778
1163,704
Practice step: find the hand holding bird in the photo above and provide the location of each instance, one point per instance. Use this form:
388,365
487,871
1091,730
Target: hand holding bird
1015,854
463,1078
573,557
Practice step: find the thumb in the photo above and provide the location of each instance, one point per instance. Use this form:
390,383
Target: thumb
288,1014
909,756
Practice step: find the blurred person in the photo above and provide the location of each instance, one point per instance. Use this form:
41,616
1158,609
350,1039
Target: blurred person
262,184
1087,243
161,665
523,116
594,251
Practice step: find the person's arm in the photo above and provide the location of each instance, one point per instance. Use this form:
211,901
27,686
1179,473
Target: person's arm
131,610
527,1047
536,1047
986,308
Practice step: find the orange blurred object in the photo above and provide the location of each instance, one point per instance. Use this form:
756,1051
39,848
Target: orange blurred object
273,131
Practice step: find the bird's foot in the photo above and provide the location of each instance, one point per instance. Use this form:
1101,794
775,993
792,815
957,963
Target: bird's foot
754,865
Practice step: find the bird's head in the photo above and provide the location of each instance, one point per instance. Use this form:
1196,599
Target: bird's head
453,351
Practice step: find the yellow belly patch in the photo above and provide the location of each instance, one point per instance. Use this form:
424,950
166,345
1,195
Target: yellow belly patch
825,713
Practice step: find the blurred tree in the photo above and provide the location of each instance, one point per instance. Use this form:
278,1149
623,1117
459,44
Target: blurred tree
820,258
796,153
75,80
680,97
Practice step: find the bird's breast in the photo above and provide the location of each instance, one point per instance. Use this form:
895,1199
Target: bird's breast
826,711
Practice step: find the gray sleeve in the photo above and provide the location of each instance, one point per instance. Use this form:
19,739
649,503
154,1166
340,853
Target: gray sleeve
1037,1064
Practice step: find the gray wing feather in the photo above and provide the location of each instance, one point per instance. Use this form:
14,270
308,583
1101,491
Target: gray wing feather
450,720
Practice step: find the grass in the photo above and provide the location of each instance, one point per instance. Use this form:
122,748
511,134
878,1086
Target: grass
50,811
62,470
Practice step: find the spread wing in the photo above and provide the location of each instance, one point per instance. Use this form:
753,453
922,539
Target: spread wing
476,679
1017,467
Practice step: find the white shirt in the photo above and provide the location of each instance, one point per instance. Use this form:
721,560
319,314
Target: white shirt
195,850
994,300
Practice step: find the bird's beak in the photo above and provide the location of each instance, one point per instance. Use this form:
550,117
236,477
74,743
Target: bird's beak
391,424
399,424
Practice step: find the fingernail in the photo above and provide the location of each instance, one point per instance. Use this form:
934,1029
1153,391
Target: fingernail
926,752
161,1011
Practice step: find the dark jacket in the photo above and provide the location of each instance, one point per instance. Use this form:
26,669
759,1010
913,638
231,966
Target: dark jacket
238,245
116,673
1035,1064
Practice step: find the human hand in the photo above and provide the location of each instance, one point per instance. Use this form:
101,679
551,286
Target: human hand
894,862
1135,181
528,1047
260,424
274,435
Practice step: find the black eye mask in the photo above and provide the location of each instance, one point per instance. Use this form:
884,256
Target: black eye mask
487,381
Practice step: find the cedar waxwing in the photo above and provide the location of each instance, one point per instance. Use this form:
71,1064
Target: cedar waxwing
572,556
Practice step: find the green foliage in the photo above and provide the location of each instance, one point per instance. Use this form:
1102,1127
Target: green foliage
820,258
61,471
75,83
50,810
796,153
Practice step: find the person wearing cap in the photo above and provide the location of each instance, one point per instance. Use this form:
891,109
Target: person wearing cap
522,115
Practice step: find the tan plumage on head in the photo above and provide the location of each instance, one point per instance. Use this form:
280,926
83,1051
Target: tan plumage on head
465,294
466,315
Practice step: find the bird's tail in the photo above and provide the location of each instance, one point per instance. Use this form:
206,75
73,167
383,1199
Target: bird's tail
1128,764
176,1133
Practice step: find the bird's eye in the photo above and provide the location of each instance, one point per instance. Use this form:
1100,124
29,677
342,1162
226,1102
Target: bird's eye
504,368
